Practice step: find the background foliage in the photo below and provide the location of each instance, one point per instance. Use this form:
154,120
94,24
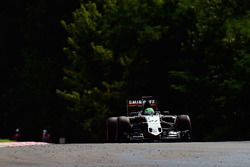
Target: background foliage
68,65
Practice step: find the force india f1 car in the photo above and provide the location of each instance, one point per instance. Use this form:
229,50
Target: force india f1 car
139,126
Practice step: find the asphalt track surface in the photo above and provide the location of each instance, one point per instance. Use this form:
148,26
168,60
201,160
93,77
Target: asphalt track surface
193,154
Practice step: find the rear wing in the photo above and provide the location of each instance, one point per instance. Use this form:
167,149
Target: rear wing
134,106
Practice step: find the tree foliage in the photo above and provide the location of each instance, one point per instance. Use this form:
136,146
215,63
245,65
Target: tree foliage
193,54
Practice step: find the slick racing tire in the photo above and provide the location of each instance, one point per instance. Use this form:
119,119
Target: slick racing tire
124,128
183,124
111,129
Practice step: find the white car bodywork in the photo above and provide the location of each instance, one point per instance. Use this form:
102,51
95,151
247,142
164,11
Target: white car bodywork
154,124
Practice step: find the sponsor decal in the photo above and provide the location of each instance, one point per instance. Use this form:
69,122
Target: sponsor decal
140,102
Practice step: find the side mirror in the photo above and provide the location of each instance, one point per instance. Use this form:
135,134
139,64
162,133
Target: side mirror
165,112
133,113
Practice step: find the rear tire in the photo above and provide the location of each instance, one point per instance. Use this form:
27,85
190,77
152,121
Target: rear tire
111,125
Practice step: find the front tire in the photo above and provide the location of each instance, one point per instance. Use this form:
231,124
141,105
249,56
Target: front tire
111,125
124,127
183,124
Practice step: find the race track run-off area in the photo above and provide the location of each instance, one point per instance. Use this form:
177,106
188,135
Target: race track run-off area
191,154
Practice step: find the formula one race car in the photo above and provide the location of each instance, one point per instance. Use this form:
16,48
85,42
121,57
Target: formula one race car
145,123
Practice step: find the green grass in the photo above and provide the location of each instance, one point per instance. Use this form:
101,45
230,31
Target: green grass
6,140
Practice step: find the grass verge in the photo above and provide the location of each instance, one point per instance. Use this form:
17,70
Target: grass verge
6,140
